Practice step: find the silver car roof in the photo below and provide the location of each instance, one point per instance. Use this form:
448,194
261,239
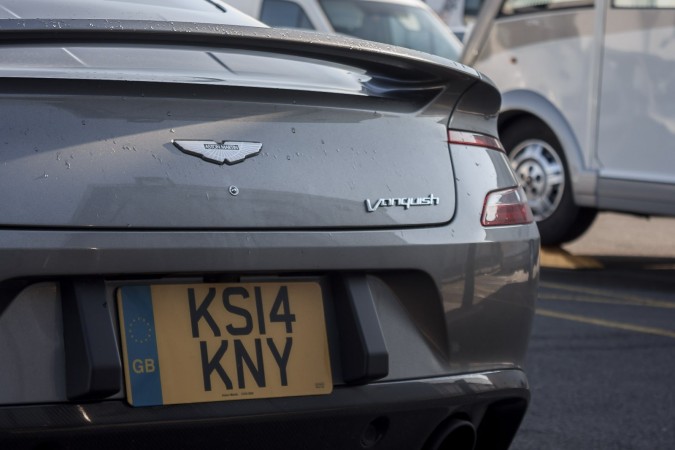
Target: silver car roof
201,11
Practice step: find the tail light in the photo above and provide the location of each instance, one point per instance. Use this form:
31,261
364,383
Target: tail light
506,207
474,139
502,207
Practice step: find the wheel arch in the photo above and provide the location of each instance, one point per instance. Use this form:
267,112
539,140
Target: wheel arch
518,104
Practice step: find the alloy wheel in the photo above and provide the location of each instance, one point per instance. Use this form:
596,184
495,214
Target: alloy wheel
542,175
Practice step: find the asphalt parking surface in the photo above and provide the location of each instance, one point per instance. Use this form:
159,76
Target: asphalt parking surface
602,355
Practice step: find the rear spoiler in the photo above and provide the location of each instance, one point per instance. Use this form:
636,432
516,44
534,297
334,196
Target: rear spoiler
396,63
395,72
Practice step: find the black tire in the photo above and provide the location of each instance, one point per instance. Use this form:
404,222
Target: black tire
540,164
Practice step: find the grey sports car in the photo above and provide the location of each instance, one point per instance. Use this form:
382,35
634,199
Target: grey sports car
219,235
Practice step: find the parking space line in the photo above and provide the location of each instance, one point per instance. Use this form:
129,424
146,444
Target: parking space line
557,258
627,299
609,301
606,323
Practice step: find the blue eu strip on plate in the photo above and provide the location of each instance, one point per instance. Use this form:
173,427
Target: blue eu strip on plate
142,358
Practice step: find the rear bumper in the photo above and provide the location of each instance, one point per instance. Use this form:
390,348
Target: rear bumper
386,415
447,305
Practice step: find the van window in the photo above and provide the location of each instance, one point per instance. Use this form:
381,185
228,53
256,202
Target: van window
284,14
513,7
472,7
644,4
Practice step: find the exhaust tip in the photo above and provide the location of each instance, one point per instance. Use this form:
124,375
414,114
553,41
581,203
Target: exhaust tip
374,432
453,434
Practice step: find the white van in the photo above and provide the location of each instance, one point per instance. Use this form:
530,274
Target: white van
588,113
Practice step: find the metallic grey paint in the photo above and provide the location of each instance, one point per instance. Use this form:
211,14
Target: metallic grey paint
118,169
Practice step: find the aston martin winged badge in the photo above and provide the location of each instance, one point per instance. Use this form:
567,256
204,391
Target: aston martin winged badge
230,152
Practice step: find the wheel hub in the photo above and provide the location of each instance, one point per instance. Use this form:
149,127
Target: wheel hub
532,178
541,173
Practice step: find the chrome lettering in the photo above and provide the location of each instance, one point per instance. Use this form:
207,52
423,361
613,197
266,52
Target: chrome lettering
372,208
405,202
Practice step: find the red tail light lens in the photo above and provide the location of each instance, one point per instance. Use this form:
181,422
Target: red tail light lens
474,139
506,207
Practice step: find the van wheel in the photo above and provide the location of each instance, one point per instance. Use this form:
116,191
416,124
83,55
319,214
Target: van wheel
540,166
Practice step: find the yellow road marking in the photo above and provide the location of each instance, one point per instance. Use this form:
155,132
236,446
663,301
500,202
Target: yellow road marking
606,323
609,298
557,258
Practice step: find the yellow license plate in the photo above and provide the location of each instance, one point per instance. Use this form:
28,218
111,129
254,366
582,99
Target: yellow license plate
188,343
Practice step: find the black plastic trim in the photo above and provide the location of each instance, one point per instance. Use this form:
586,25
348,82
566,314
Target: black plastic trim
404,413
93,366
9,289
363,351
